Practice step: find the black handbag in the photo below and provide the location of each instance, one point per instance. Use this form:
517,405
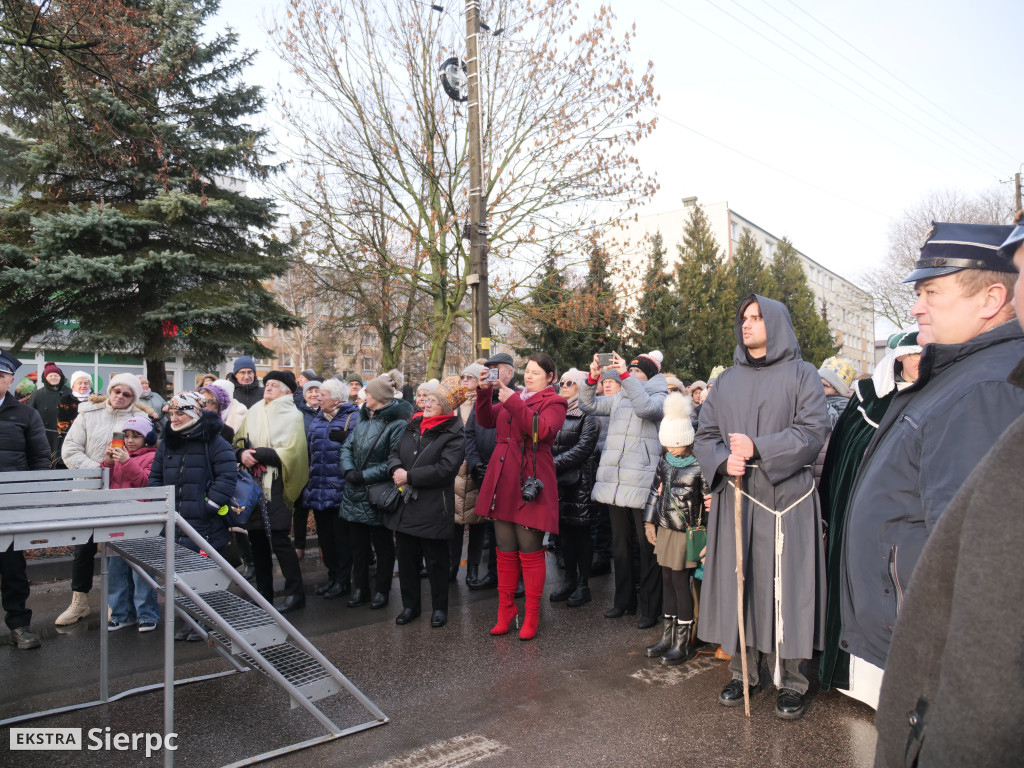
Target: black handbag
384,496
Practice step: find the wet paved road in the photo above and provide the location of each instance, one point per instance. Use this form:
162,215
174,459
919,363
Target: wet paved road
581,694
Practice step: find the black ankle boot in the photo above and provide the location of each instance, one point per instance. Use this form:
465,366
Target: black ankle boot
472,573
563,594
682,649
668,636
581,596
453,573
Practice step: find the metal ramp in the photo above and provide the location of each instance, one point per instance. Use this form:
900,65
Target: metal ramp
53,507
248,632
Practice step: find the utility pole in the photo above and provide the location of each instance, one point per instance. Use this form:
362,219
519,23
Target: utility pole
477,278
1016,183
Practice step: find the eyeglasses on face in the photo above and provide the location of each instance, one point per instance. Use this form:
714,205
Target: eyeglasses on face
467,377
122,392
567,383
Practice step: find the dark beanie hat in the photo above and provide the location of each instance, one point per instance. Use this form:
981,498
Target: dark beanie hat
244,362
650,363
285,377
311,375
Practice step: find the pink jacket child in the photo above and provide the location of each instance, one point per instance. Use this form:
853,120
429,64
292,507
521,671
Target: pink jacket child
132,599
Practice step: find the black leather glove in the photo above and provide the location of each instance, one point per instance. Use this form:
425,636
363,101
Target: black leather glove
338,435
478,472
354,476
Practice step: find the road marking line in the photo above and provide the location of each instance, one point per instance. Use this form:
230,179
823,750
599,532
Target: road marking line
662,675
452,753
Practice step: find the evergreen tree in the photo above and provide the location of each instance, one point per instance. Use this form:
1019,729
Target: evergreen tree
572,318
597,310
752,274
707,299
658,320
790,287
546,328
139,245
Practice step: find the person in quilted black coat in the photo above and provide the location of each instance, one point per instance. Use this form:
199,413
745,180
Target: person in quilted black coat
199,463
575,453
675,503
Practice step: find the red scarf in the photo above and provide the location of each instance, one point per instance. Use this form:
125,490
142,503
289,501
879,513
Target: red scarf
429,422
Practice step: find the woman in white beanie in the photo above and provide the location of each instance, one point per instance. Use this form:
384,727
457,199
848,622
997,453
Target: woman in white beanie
675,503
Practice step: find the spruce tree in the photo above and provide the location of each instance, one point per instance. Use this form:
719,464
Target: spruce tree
546,327
143,245
790,287
597,310
659,325
752,274
707,299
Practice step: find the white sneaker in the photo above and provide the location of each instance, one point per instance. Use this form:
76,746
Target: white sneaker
113,626
147,626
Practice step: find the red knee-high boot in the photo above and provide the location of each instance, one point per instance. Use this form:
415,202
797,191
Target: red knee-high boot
508,580
534,571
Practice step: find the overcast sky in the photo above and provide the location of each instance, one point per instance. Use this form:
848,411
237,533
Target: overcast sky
823,129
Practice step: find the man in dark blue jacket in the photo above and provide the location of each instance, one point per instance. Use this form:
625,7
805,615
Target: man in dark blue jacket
933,434
23,447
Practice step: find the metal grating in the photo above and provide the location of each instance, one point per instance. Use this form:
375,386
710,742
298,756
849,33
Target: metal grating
151,554
297,666
239,613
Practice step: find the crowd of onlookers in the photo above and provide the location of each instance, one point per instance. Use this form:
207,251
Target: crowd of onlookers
808,493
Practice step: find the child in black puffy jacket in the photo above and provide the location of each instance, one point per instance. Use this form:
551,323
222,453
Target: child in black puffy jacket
676,504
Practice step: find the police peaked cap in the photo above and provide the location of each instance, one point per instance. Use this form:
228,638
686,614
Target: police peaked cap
953,247
8,362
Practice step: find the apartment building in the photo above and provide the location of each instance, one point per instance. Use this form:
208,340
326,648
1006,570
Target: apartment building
848,308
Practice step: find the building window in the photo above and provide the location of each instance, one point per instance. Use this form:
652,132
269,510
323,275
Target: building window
369,340
287,361
368,364
348,350
453,369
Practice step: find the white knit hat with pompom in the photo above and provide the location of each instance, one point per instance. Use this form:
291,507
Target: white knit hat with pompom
676,428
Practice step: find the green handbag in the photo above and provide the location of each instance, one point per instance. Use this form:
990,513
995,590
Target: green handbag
696,535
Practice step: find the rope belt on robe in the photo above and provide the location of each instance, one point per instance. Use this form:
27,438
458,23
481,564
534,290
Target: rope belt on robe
779,541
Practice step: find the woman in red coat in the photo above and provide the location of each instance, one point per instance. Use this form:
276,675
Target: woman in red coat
519,525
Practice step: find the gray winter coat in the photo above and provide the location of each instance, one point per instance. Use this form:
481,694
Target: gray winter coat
932,437
631,450
781,407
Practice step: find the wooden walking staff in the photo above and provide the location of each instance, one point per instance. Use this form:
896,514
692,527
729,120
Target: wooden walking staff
738,498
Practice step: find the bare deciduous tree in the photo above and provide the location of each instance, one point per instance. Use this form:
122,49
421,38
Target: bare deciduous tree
893,298
382,174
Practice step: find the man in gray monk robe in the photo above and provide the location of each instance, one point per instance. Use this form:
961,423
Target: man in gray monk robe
765,421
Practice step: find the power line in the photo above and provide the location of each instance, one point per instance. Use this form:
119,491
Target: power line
895,77
927,125
801,86
913,127
769,166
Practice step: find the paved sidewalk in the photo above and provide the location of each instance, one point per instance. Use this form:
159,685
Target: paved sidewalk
581,694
